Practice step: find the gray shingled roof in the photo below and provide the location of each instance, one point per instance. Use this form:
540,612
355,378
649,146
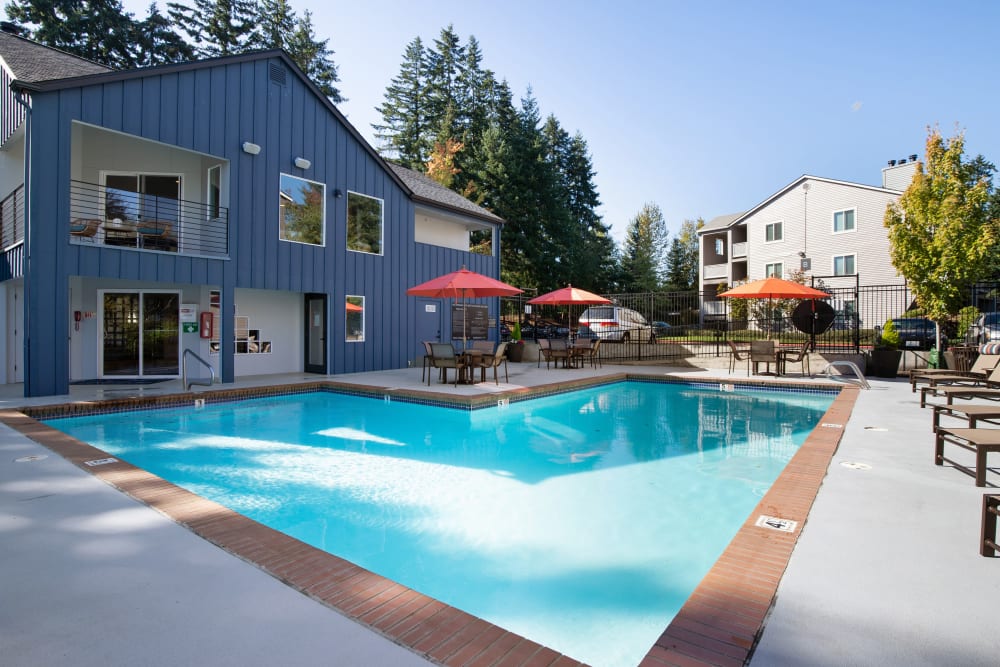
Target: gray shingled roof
720,222
31,61
428,190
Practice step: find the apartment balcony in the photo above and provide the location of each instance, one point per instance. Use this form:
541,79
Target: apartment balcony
12,218
715,271
717,308
109,216
739,249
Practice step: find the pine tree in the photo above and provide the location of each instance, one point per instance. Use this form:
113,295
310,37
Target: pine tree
642,256
156,43
216,27
99,30
275,24
682,259
446,71
403,132
314,58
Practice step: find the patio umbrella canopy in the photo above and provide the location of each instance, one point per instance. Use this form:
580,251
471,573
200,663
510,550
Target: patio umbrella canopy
774,288
568,295
463,284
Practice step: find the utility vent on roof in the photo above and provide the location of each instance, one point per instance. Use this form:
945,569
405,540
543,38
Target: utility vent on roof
277,73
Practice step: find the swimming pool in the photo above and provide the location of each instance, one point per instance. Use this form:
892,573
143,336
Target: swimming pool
582,521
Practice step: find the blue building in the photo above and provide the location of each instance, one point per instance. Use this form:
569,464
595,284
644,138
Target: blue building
223,206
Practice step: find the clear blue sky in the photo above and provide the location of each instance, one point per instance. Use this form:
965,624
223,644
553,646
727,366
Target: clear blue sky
705,108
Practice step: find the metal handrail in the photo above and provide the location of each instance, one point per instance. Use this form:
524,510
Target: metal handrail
828,372
184,374
107,216
12,218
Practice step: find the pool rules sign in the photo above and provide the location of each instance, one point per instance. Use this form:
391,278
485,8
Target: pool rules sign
189,318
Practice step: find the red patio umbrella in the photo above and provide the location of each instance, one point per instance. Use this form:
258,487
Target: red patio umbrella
568,296
463,284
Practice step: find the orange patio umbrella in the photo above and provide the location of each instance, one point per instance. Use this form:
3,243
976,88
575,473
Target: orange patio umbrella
463,284
774,288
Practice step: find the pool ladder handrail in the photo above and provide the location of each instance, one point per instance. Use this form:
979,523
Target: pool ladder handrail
200,381
848,364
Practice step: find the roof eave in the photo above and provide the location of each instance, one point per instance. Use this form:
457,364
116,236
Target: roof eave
464,212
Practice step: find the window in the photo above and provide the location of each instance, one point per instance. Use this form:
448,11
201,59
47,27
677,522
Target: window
720,247
214,191
843,221
355,319
772,232
364,223
777,269
301,210
843,265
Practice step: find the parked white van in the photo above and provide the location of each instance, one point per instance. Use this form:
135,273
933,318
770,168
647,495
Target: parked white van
615,323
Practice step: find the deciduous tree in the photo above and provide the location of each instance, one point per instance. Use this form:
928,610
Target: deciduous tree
943,232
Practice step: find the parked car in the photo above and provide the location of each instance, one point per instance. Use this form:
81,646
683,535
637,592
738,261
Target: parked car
615,323
661,328
988,328
917,333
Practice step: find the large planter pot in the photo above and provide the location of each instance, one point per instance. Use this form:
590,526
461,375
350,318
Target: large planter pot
515,352
884,363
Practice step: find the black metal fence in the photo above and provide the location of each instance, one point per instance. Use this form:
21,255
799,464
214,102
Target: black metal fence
674,325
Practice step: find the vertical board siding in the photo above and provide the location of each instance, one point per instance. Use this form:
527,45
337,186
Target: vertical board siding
212,110
11,113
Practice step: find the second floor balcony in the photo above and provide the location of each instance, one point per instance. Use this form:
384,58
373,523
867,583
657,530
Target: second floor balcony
12,218
110,216
715,271
739,249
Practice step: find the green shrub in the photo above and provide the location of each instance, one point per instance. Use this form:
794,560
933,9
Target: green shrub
889,338
966,318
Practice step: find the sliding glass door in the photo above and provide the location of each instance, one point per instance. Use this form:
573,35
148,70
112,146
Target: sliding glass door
141,334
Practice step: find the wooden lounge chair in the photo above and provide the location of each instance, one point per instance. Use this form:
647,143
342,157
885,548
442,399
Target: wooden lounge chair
980,369
972,414
991,516
443,357
84,229
950,393
961,386
737,354
980,441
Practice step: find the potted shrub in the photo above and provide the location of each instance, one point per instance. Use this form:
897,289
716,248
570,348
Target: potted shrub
515,351
885,354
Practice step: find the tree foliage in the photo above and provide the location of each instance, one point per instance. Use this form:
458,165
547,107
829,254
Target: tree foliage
682,258
643,254
944,230
445,114
102,31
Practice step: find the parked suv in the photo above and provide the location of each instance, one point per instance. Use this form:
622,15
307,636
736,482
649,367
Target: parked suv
917,333
614,323
988,328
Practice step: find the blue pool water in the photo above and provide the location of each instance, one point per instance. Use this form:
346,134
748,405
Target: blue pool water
582,521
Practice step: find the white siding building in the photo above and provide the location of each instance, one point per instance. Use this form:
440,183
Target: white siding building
827,228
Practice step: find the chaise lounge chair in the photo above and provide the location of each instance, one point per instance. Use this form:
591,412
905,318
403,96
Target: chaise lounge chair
951,387
980,441
980,369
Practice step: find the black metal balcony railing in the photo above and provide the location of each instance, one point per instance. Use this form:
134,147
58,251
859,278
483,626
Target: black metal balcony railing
12,218
109,216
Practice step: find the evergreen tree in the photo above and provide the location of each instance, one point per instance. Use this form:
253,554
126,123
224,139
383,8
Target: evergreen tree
275,24
642,256
216,27
156,43
682,258
446,71
314,58
99,30
404,131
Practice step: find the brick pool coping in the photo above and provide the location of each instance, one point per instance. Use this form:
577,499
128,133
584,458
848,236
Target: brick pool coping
719,624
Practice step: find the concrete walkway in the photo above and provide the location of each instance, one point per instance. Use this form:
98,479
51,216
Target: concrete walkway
886,571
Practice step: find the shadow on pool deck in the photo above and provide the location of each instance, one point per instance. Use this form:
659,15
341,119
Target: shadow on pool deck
886,571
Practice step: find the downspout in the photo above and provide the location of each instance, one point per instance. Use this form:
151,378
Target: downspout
24,102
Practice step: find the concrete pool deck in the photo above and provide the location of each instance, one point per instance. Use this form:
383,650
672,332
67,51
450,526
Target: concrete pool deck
886,570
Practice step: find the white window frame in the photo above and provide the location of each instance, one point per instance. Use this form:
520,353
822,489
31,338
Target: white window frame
780,226
768,273
854,262
381,230
360,338
720,246
322,243
854,221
